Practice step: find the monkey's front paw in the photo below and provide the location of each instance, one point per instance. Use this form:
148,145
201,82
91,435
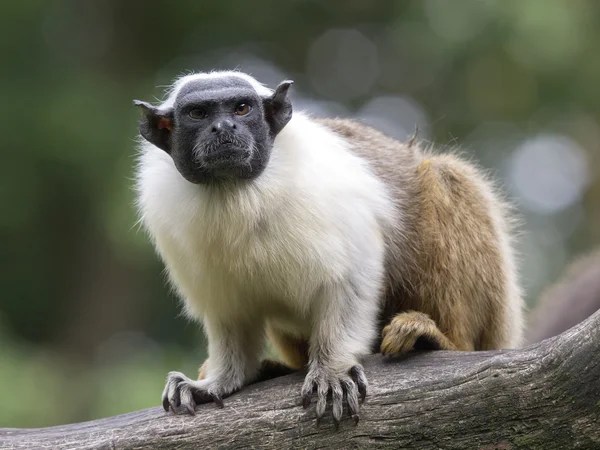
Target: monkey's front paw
324,381
182,394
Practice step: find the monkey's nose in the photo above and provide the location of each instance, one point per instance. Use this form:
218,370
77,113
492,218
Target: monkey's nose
223,126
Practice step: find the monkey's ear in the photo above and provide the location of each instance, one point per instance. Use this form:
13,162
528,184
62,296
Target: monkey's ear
156,125
278,108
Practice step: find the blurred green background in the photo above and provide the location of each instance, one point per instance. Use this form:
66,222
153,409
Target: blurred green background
88,327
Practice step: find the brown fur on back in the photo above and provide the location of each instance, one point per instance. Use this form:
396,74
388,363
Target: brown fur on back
447,258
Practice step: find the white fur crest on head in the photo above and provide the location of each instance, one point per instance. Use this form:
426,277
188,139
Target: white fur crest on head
181,81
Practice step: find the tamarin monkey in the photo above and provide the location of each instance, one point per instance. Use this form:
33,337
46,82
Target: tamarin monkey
574,298
325,236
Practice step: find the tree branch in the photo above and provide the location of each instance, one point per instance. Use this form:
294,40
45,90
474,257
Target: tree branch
545,396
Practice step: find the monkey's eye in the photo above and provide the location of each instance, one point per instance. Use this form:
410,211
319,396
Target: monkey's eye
242,109
197,114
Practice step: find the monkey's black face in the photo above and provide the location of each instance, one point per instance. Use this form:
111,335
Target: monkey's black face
218,128
219,131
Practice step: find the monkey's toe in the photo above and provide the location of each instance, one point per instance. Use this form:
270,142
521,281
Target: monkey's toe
358,374
339,387
413,330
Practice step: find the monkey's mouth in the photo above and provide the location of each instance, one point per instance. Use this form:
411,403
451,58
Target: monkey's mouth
226,143
225,150
215,146
225,162
227,154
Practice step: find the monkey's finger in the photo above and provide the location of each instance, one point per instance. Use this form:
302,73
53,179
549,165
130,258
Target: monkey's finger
172,380
165,398
187,399
351,392
174,398
322,390
173,395
360,379
337,400
307,391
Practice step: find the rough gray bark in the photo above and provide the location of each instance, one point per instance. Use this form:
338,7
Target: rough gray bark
546,396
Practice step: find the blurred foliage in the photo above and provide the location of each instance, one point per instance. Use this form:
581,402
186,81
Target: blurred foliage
88,326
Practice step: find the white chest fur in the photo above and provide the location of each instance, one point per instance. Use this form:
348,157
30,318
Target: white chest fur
274,241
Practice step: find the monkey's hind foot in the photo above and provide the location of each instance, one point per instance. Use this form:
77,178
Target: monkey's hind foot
349,385
413,330
182,394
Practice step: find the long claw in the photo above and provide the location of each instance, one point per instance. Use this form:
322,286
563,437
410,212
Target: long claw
337,399
322,390
187,400
175,397
306,400
352,399
360,379
307,392
336,424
